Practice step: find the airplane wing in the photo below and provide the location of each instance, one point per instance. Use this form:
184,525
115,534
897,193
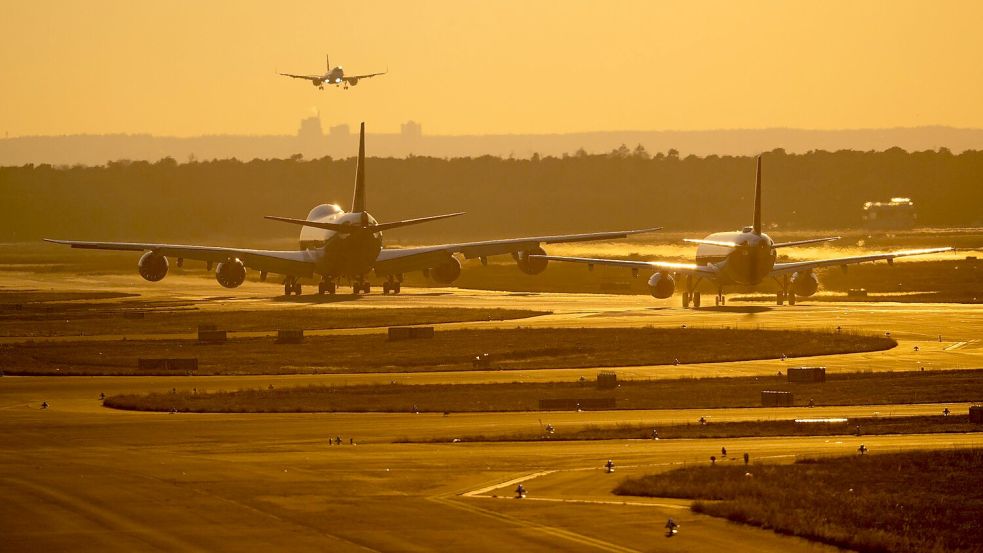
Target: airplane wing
351,78
299,263
395,261
307,77
782,268
684,268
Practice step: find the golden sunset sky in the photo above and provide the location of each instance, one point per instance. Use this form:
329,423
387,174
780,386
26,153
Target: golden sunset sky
466,67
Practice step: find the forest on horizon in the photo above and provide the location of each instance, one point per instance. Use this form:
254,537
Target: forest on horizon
626,188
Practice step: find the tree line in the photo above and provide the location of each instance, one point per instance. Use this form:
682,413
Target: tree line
626,188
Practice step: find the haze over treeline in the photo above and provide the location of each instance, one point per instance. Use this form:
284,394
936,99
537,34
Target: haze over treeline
313,141
627,188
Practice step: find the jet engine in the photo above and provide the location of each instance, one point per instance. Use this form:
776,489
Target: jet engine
661,285
353,81
447,272
230,274
152,266
530,266
804,283
317,82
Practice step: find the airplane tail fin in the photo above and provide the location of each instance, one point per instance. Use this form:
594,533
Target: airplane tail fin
327,62
358,201
756,222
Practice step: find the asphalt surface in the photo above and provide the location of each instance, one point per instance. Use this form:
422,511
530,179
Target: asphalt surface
77,476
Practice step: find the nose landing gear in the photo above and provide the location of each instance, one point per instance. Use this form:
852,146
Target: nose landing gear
291,285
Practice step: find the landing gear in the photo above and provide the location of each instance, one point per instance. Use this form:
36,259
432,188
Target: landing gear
721,299
786,293
361,286
291,286
390,286
691,295
326,287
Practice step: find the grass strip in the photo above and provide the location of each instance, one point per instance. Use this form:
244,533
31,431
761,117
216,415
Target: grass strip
897,502
839,389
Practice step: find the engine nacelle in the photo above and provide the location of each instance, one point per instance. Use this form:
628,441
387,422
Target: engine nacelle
447,272
531,266
804,283
152,266
317,82
661,285
230,274
353,82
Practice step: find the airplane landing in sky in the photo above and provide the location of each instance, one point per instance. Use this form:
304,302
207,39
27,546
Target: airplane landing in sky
746,257
340,245
334,75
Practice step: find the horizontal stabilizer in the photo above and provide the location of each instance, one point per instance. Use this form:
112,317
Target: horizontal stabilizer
803,242
349,228
711,242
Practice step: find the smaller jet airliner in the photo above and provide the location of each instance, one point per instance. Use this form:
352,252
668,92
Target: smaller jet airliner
335,76
746,257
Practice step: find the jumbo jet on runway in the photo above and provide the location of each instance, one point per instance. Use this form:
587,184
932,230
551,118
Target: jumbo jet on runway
335,76
345,246
746,257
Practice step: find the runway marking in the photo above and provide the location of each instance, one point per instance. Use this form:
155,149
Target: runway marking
955,346
550,530
487,489
598,502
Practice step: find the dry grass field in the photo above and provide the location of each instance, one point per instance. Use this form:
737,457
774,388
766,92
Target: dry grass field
32,313
508,349
898,503
709,393
870,426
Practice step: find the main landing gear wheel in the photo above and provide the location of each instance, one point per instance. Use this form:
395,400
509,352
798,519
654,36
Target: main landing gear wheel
686,296
696,299
781,298
326,288
291,286
390,287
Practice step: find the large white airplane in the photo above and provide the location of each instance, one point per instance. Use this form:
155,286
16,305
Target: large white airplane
339,245
334,75
745,257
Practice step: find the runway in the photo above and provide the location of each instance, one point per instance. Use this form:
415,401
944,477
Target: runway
80,477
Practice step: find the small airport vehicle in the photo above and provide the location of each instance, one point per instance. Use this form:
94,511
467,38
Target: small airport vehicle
746,257
671,528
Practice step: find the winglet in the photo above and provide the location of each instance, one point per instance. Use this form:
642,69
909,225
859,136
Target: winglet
358,202
756,222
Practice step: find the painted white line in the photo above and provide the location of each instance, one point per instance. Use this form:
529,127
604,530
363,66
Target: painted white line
957,345
487,489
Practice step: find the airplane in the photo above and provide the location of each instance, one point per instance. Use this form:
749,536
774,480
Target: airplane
335,76
745,257
340,245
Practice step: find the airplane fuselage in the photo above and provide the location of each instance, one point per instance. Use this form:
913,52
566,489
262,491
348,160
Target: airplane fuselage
750,262
336,76
341,254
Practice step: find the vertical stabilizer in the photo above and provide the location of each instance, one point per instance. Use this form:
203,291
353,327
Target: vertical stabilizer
358,201
327,62
756,222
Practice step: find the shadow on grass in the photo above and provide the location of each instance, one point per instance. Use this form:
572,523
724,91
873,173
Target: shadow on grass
318,298
736,309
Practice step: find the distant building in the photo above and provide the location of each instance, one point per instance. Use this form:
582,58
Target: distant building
897,214
310,129
339,131
411,130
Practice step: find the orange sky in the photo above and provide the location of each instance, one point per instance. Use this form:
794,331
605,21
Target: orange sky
461,67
